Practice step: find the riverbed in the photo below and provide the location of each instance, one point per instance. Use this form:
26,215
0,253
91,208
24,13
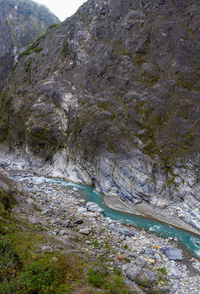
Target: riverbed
188,241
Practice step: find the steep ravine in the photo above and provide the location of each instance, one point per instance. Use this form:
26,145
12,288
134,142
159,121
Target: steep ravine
113,98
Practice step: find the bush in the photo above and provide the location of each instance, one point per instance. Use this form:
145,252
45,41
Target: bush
95,277
54,25
41,276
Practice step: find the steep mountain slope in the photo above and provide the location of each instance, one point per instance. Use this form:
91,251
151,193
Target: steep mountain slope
21,23
116,90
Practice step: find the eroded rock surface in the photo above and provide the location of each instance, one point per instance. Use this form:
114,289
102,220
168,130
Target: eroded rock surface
114,94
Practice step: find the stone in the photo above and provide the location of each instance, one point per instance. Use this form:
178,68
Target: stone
148,251
47,249
131,254
151,260
47,212
66,223
79,221
93,207
142,276
75,189
146,278
122,231
85,231
175,273
62,233
121,257
140,262
82,209
132,271
172,253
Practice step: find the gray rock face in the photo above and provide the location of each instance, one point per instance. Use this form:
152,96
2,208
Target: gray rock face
116,89
173,253
21,23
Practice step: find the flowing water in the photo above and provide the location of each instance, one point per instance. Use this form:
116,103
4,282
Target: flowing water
187,240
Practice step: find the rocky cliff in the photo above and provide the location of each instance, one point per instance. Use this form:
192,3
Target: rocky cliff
114,90
21,23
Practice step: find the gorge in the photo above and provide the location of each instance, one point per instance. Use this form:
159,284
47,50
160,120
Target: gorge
109,98
113,95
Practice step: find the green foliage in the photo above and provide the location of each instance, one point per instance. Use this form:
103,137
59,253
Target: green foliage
37,50
41,276
96,243
35,47
2,209
26,270
162,270
6,202
54,25
114,283
28,66
95,277
9,262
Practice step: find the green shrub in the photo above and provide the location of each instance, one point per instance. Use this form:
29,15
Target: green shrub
41,276
6,202
37,50
163,270
96,244
9,262
95,277
54,25
116,285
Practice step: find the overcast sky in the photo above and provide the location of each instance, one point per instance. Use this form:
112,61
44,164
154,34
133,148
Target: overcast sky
62,8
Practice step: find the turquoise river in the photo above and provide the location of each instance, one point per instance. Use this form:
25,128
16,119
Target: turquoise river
188,241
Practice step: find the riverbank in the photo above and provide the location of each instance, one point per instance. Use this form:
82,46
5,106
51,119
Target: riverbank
178,214
61,211
166,215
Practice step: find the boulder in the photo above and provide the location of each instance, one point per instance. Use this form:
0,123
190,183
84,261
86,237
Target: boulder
132,271
93,207
140,262
85,231
122,231
172,253
47,249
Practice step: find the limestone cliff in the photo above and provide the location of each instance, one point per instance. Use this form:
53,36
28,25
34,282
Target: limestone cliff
116,89
21,23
